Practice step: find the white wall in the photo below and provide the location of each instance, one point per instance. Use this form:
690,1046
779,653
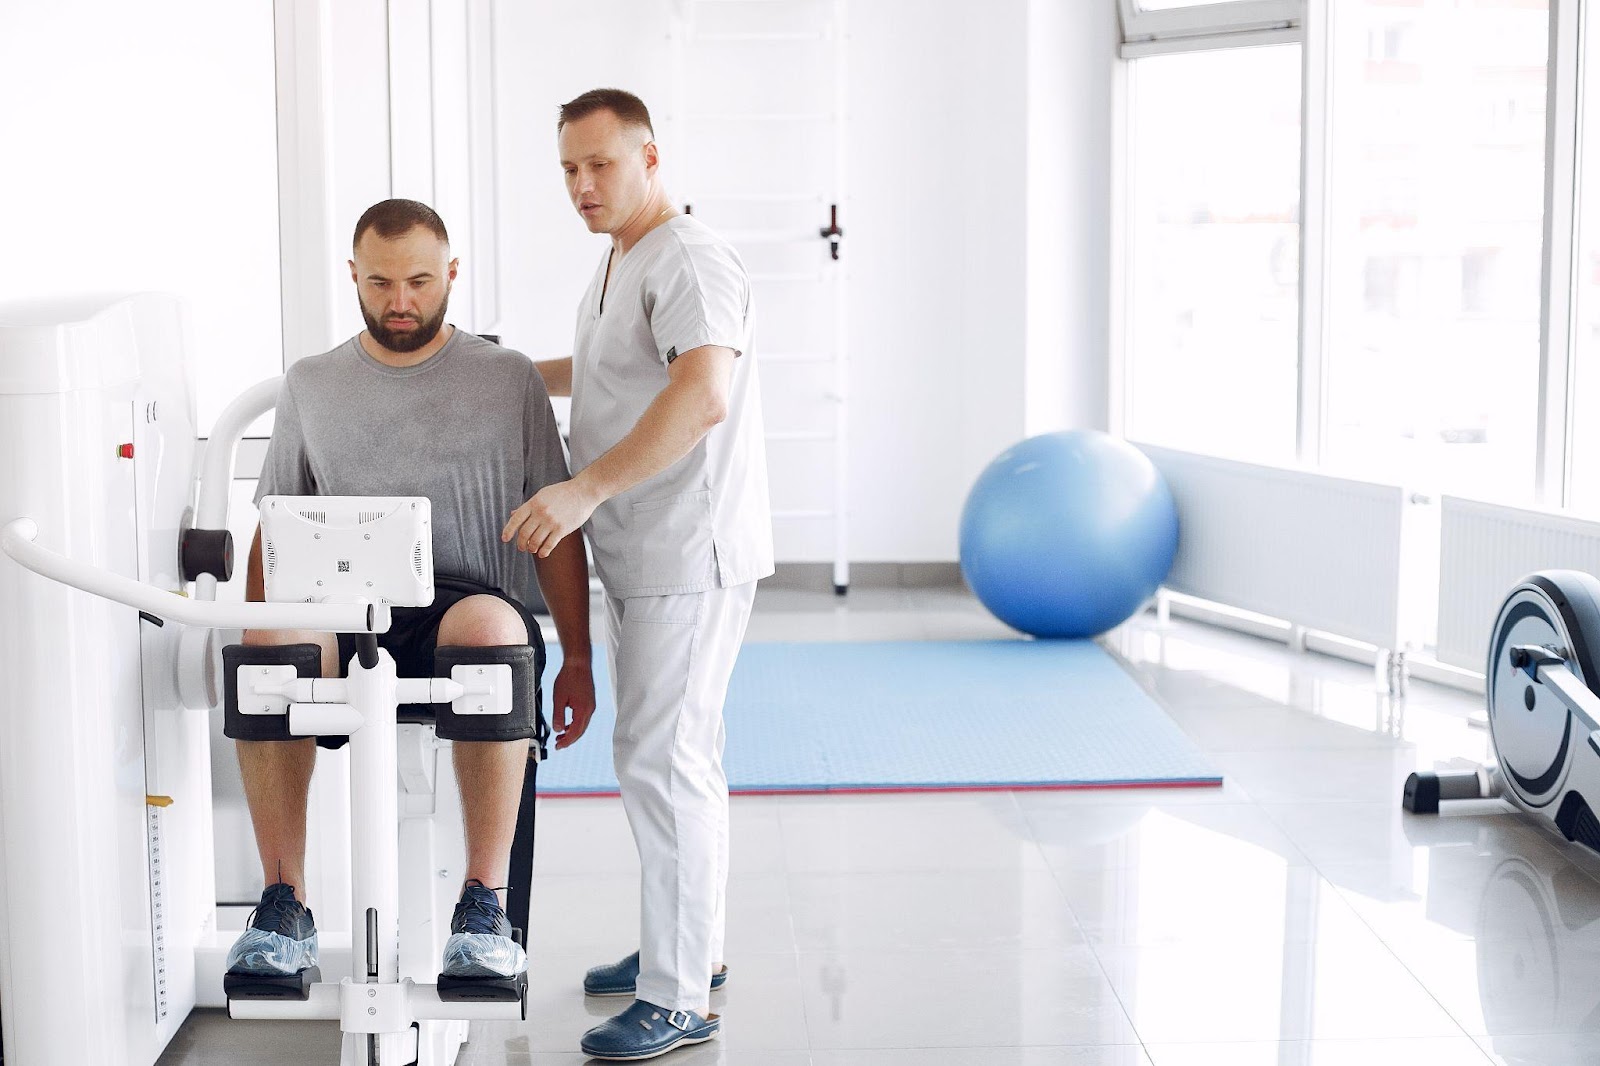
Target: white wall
938,172
977,261
545,55
385,108
359,123
977,213
1072,72
139,153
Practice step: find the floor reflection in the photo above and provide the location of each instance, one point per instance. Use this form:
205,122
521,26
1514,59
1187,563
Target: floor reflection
1294,917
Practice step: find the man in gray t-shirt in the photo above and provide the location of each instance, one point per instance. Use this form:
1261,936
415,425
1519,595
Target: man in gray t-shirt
412,406
470,427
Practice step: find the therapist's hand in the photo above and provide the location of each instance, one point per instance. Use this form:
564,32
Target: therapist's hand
552,513
571,702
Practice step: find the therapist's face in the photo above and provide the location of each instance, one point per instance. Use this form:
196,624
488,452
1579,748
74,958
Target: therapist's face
611,169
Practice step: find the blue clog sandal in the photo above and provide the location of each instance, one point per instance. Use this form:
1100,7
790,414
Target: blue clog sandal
645,1030
622,978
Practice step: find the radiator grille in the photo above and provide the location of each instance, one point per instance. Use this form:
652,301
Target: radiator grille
1318,551
1484,550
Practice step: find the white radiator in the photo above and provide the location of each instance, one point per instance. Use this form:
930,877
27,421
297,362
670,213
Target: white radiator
1485,549
1317,551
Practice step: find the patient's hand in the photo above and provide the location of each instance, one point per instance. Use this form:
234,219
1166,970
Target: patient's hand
571,702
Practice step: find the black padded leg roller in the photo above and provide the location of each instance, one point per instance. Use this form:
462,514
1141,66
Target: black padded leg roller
307,662
519,723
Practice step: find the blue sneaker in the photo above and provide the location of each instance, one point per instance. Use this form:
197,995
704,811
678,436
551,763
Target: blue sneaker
622,978
480,943
281,940
645,1030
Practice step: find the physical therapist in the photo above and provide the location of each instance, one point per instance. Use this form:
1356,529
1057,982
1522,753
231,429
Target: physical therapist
670,482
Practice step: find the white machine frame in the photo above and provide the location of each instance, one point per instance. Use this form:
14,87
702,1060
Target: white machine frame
80,782
386,1015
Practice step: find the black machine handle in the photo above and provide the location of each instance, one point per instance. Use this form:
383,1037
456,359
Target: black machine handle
206,551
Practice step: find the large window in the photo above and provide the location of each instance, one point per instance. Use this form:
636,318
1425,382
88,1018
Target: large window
1435,228
1212,308
1415,357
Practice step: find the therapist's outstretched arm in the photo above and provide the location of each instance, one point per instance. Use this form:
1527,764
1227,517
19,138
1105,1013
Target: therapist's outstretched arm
557,374
695,400
564,581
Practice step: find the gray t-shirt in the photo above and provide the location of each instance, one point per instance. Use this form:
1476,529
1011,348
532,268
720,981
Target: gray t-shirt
470,428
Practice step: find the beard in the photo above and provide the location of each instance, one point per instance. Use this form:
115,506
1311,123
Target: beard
406,340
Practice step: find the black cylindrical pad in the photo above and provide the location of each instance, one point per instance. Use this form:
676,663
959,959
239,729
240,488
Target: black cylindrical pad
307,662
517,725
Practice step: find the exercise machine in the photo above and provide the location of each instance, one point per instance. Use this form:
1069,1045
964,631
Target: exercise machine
109,661
1544,714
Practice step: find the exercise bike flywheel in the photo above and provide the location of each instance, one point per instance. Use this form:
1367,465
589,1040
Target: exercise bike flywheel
1534,731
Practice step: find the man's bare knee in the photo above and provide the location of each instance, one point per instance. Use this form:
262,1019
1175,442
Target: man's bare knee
482,622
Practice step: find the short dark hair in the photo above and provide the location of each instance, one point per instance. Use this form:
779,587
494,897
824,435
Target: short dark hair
396,218
626,106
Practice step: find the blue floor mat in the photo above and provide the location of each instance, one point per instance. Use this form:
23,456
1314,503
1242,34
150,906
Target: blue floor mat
919,715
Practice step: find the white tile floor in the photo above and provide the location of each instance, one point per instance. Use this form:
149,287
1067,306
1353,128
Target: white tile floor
1294,916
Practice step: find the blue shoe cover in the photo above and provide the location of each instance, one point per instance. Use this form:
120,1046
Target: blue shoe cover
267,954
483,955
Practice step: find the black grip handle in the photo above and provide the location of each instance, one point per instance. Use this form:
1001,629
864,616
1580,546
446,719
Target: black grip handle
206,551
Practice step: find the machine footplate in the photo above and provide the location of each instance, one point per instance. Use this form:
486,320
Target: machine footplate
253,986
480,989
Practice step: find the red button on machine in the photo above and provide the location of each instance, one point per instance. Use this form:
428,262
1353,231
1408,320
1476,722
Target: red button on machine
125,451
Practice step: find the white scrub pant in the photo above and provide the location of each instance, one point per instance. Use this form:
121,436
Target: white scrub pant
671,657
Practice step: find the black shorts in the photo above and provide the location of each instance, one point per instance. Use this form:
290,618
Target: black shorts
414,631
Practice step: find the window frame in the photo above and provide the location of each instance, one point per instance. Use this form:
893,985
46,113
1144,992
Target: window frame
1563,154
1249,22
1206,26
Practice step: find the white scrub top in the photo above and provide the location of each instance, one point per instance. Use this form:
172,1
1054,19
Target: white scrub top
705,522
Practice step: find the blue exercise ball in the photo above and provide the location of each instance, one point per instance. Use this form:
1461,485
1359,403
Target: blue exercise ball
1067,534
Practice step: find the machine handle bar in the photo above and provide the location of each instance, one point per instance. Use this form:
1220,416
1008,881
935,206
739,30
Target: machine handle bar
17,540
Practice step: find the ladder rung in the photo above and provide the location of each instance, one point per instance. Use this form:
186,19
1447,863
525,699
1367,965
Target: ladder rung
760,116
772,236
813,35
792,358
787,278
760,198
